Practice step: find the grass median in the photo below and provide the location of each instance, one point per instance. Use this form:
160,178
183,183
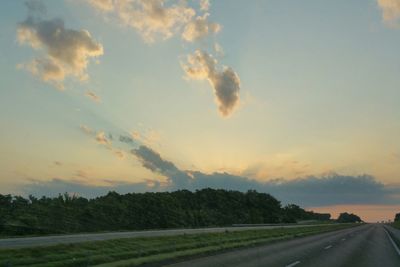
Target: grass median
139,251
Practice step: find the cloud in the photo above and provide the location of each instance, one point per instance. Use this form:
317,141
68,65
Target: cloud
126,139
101,138
153,19
390,10
103,5
219,50
93,96
159,19
310,191
36,7
119,154
225,82
330,189
86,129
148,137
82,174
56,186
66,51
152,160
204,5
199,28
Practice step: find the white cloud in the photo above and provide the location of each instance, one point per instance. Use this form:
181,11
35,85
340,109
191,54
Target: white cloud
200,28
204,5
219,50
66,51
390,10
153,19
47,69
103,5
225,82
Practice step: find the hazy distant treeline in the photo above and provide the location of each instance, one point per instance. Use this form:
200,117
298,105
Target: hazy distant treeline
136,211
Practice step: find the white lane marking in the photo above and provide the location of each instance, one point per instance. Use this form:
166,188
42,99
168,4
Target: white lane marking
293,264
393,243
343,239
328,247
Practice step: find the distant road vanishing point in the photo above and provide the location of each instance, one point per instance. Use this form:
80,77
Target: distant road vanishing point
365,246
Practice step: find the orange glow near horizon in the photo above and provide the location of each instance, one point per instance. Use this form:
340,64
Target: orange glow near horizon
368,213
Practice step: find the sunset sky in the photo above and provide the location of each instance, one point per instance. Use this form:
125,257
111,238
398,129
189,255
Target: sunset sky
299,99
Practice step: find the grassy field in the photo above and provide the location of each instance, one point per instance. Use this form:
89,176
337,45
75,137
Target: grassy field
396,225
138,251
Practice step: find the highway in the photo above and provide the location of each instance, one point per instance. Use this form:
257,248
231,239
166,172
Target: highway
367,246
76,238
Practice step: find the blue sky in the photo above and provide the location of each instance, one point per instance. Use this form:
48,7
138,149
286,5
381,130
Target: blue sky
300,89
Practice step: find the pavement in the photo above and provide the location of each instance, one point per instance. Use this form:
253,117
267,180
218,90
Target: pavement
369,245
21,242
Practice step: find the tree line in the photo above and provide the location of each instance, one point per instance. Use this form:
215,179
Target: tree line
138,211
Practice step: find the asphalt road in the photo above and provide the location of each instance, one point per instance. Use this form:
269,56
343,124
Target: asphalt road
366,246
76,238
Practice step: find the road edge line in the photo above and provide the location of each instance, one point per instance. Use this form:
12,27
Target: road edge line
393,243
293,264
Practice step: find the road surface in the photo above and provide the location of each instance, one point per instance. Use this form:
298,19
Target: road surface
76,238
364,246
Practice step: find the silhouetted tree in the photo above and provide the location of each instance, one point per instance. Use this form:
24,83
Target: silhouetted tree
135,211
348,218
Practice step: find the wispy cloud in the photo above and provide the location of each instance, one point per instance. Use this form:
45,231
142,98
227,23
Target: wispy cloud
102,139
200,28
225,82
86,129
153,19
67,51
93,96
204,5
103,5
120,154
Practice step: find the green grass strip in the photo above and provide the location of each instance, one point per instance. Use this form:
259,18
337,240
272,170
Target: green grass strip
137,251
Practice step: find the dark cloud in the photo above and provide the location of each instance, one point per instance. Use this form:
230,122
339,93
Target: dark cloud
225,82
152,160
331,189
126,139
93,96
311,191
334,189
58,186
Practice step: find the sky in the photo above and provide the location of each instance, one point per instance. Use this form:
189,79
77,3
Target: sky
298,99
